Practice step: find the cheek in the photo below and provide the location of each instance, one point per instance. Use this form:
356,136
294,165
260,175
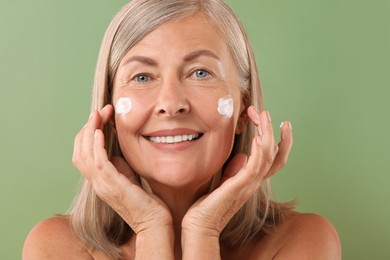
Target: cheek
218,110
219,115
225,106
130,115
123,106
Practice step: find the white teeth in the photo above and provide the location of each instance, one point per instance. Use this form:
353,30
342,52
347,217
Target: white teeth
173,139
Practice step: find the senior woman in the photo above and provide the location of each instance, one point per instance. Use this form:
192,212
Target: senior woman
176,155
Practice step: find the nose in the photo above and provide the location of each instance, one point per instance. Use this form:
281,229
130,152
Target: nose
172,99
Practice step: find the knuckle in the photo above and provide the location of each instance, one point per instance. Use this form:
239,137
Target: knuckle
252,173
269,162
75,160
99,165
78,138
276,149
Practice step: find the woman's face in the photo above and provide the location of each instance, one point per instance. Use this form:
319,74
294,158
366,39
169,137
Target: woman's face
175,77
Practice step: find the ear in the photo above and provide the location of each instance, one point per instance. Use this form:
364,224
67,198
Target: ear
243,118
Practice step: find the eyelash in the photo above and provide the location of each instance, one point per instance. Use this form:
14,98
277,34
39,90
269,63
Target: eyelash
192,74
136,78
208,73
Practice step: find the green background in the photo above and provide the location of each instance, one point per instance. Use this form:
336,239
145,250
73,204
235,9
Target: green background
324,64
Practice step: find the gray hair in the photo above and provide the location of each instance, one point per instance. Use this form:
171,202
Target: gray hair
97,224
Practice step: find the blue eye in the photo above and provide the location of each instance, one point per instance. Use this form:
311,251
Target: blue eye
142,78
200,73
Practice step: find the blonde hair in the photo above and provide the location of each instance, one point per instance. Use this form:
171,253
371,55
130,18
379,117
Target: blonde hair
96,223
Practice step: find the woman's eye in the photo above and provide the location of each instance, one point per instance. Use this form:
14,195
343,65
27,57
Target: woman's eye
201,73
142,78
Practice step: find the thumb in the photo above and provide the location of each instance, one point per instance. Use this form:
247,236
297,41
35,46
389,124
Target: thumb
234,166
124,168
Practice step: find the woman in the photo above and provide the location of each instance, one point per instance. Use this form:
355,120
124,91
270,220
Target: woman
164,150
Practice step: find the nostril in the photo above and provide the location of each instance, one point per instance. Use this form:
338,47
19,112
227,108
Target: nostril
161,111
172,111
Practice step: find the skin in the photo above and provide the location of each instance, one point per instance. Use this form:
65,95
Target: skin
181,219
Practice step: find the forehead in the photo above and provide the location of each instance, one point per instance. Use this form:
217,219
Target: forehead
184,35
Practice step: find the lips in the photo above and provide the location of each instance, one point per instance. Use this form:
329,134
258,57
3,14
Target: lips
171,139
173,136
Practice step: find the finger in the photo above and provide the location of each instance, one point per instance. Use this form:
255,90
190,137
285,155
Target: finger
105,115
235,164
108,184
268,143
77,147
264,148
105,170
254,115
81,155
261,152
123,167
88,139
285,146
262,121
252,167
238,188
267,129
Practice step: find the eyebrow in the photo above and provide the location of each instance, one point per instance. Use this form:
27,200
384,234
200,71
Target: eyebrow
141,59
189,57
196,54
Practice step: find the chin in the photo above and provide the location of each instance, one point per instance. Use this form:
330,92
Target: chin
178,177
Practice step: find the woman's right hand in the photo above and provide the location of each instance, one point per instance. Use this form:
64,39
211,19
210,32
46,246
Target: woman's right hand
114,181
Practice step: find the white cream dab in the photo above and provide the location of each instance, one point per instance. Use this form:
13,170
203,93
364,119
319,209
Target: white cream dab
225,106
123,105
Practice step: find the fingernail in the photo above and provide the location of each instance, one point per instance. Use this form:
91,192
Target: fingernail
96,133
281,125
289,126
104,108
269,116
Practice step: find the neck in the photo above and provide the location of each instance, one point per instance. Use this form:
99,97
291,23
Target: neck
179,200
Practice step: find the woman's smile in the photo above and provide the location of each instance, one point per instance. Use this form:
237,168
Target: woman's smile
175,79
171,140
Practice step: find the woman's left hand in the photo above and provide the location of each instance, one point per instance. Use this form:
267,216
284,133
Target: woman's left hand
241,179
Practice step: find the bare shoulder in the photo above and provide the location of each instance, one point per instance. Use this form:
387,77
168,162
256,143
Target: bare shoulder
53,238
307,236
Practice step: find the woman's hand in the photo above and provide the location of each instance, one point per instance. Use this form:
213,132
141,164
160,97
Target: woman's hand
114,181
206,219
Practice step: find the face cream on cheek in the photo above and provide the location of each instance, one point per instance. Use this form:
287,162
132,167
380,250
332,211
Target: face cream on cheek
123,105
225,106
